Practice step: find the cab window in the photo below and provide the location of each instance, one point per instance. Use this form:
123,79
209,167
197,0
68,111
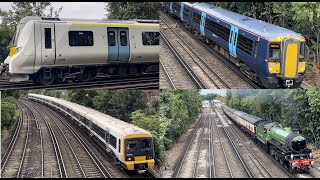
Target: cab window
274,51
302,50
145,143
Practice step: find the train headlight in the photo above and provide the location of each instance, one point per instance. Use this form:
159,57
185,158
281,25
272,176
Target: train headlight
310,155
291,156
18,49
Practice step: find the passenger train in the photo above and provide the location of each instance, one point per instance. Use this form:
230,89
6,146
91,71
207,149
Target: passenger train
129,145
285,145
46,50
269,55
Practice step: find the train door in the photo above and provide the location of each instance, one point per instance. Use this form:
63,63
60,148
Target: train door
290,58
203,22
181,11
107,138
233,38
170,7
118,44
48,47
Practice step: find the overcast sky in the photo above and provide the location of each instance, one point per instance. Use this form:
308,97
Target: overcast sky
221,92
85,10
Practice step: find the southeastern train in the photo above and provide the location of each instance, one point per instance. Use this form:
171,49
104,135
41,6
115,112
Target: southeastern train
271,56
46,50
131,146
286,146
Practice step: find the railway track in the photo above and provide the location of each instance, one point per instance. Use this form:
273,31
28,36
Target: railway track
54,163
227,159
167,76
215,53
174,69
150,81
99,152
84,161
258,169
13,157
179,165
267,159
190,57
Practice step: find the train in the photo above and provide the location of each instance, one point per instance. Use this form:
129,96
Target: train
130,146
287,146
47,50
271,56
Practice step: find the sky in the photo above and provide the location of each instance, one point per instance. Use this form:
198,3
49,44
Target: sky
82,10
221,92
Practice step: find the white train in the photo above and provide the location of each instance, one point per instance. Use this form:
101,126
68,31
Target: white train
131,146
49,49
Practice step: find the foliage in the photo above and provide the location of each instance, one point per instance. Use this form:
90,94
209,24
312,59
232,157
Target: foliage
11,18
8,108
295,108
210,96
133,10
178,109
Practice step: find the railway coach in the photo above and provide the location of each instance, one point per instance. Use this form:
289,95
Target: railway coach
286,146
269,55
46,50
131,146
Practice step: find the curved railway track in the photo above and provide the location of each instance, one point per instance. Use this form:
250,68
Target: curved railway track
84,161
214,53
14,155
195,62
149,81
98,153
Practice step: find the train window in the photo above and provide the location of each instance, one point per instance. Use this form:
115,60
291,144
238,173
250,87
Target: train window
145,143
274,51
107,136
176,6
131,144
245,44
196,17
47,38
80,38
186,12
98,130
302,50
113,141
123,38
119,145
111,38
150,38
217,29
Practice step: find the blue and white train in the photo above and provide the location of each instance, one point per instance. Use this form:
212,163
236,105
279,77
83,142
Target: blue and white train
271,56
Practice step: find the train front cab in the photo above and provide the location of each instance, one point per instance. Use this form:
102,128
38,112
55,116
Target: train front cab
138,152
286,62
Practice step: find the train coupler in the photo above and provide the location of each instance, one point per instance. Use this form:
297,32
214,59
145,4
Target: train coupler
141,169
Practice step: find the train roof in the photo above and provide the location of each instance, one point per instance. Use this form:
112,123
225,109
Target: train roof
103,120
248,117
133,21
258,27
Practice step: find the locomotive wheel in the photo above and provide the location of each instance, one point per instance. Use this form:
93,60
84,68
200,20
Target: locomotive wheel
84,76
45,81
281,158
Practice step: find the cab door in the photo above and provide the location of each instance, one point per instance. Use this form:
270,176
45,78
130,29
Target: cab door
48,46
118,44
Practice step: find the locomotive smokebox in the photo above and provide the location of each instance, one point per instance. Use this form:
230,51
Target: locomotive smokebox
296,142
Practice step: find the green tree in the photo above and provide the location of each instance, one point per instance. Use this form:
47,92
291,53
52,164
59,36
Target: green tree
11,18
133,10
